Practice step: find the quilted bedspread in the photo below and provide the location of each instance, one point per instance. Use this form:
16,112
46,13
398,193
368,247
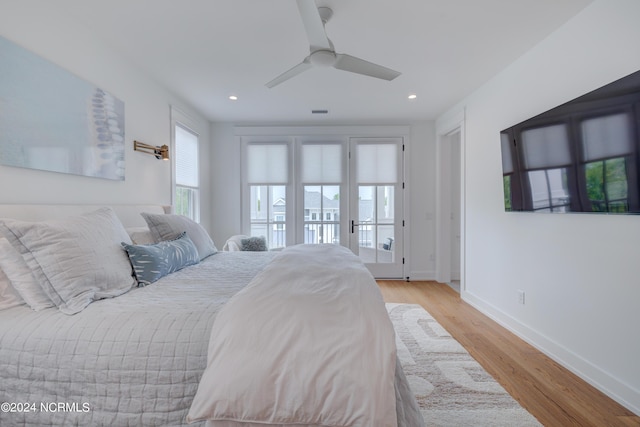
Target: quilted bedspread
134,360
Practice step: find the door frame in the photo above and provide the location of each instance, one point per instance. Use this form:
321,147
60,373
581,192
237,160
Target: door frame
396,269
445,128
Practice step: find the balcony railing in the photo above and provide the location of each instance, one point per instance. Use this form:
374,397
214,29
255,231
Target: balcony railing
321,233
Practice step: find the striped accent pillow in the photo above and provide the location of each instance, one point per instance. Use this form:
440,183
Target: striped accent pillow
152,262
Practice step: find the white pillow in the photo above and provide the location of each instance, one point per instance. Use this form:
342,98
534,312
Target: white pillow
9,297
140,235
18,273
76,260
234,243
169,227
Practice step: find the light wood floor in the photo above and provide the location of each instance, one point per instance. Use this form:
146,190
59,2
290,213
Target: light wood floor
555,396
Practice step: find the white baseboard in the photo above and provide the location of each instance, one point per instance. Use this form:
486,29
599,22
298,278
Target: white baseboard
422,275
603,381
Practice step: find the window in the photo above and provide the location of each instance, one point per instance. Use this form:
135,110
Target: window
266,177
187,188
291,190
268,213
321,177
325,200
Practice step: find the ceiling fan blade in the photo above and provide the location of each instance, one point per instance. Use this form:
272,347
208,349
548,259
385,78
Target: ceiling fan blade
360,66
313,25
304,65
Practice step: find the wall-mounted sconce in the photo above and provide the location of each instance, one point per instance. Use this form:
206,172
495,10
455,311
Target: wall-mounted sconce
161,152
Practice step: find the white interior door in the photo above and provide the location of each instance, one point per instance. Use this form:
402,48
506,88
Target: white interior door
376,204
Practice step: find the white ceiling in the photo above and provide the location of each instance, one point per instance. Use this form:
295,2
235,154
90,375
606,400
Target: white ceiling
206,50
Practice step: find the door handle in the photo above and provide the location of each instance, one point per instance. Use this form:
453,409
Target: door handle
353,225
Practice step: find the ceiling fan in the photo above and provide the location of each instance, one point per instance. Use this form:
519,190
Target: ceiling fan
323,54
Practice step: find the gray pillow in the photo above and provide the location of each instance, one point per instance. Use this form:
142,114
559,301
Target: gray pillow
152,262
254,244
76,260
168,227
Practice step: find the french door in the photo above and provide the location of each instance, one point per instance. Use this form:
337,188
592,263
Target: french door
344,191
376,204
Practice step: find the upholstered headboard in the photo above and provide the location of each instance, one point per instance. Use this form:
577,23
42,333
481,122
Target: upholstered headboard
129,214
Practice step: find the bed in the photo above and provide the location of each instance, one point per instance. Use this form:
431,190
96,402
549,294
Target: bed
205,337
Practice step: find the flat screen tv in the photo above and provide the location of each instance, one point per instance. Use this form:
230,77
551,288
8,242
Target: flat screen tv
582,156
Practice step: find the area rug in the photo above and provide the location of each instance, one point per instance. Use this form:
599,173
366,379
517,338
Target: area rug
451,388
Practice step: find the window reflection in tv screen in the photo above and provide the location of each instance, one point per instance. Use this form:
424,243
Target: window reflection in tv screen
581,156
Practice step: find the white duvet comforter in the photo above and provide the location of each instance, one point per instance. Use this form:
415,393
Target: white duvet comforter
310,346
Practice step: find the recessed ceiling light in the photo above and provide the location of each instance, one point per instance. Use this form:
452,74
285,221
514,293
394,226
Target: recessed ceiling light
233,98
412,96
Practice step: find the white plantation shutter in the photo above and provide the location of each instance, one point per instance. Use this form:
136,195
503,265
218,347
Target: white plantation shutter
186,158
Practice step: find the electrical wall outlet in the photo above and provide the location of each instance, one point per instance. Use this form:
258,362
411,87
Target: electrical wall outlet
521,296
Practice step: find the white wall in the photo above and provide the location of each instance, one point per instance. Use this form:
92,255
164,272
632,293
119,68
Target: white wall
422,195
73,46
419,172
226,183
580,272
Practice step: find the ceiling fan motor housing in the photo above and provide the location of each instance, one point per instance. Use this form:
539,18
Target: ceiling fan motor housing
322,58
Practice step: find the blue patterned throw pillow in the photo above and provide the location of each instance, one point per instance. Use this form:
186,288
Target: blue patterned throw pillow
152,262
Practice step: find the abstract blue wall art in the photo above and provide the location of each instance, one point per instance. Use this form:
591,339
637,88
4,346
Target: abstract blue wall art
53,120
